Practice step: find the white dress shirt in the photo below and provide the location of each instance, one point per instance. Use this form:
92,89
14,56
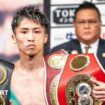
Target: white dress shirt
93,47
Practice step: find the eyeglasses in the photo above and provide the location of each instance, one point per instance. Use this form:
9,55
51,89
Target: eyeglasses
89,22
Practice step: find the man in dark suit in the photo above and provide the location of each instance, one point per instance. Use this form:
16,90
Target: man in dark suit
87,23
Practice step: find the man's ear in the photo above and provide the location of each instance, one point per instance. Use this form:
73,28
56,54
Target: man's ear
46,38
14,38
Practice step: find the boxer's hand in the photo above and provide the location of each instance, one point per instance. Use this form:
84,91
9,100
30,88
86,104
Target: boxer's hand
98,91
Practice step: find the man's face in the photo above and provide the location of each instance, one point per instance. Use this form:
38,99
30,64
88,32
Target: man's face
30,37
87,26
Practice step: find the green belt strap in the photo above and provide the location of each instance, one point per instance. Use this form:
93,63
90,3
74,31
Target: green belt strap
13,98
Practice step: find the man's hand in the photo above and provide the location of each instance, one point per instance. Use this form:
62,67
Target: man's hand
98,91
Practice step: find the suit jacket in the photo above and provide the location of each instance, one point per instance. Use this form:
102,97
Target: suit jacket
74,45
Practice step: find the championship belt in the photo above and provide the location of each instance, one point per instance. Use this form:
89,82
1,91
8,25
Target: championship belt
54,63
3,76
6,69
74,86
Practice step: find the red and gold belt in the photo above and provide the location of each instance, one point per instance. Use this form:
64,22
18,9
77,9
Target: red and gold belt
74,86
54,63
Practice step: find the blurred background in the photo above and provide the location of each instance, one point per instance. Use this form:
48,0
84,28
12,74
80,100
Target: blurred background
60,14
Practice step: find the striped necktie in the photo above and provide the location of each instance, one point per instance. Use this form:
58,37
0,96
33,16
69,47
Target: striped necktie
87,48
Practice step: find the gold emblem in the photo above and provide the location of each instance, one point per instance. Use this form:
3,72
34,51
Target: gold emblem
78,85
53,91
3,74
56,61
79,62
2,101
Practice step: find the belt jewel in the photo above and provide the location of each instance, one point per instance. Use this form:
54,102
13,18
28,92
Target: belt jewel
79,62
